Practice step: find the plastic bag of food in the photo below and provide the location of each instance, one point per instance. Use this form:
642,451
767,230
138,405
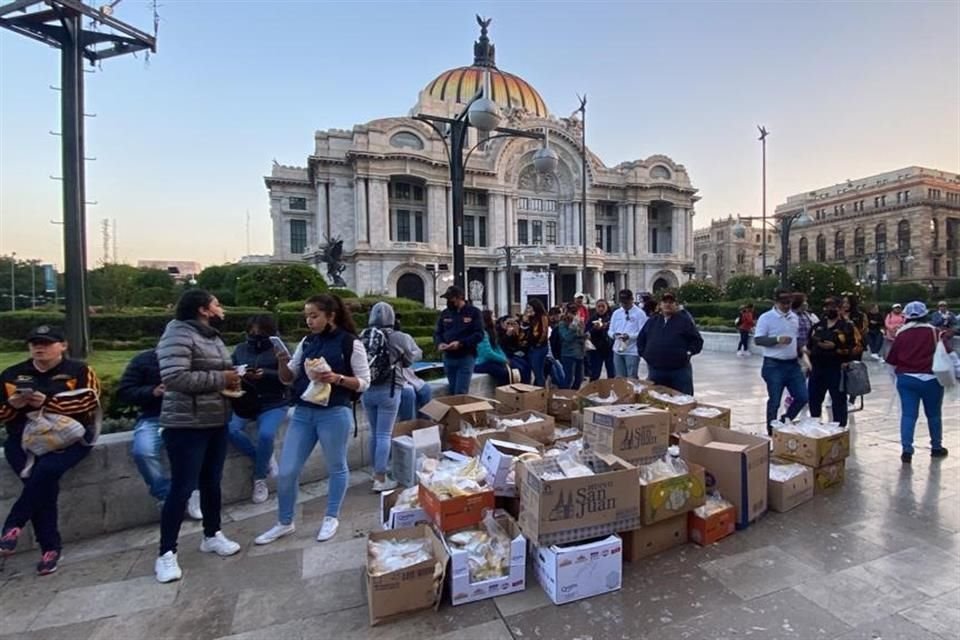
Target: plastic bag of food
714,504
706,412
408,499
487,547
810,427
679,398
665,467
610,398
784,472
317,392
387,556
452,478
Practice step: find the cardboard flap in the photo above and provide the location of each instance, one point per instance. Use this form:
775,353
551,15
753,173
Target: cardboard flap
407,427
726,446
429,437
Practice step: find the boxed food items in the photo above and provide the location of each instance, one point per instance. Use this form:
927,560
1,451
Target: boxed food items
486,560
713,521
789,486
606,391
450,410
401,509
533,424
408,449
809,442
634,432
499,458
640,389
521,397
477,428
561,403
677,404
670,487
574,571
453,493
404,571
828,476
577,495
737,466
707,415
567,434
652,540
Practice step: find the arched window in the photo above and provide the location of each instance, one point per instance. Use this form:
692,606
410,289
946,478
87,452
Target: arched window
821,248
411,287
705,263
880,237
839,246
903,236
661,172
405,139
859,242
804,250
741,257
935,234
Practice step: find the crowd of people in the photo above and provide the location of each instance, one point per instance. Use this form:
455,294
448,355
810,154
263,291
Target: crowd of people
195,397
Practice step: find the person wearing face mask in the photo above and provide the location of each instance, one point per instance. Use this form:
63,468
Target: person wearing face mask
195,368
830,345
777,332
459,331
263,380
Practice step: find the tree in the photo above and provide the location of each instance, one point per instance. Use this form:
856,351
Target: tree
699,291
748,287
113,286
267,286
820,281
154,279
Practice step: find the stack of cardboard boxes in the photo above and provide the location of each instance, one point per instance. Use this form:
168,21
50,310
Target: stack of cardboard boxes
823,449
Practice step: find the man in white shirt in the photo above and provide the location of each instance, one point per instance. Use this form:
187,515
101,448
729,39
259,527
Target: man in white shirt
777,332
625,326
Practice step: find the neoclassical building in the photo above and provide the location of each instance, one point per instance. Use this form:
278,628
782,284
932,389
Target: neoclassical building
904,224
384,189
721,253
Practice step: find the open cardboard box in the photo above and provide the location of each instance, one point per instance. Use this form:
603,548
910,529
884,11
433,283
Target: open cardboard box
619,388
635,432
463,591
671,497
652,540
450,410
785,495
411,588
498,457
521,397
393,518
811,451
561,403
460,512
406,451
693,421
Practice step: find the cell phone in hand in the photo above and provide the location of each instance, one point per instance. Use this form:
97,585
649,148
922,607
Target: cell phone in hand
279,345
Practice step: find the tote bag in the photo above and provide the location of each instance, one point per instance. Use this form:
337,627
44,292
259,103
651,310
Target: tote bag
942,364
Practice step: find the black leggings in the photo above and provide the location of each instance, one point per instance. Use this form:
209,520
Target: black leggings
744,341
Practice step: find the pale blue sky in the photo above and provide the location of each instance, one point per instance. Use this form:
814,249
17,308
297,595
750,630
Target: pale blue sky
847,89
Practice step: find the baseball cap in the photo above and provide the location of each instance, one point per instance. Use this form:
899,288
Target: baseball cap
914,310
45,333
897,305
453,292
578,294
668,295
626,294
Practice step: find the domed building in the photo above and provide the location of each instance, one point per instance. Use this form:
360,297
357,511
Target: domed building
383,189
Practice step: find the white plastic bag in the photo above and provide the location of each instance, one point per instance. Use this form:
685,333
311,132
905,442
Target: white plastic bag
942,364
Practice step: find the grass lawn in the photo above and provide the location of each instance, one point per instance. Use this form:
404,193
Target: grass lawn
106,363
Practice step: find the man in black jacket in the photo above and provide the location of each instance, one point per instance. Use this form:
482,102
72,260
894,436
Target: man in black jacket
459,331
667,342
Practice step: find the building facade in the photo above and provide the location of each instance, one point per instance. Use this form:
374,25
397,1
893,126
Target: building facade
720,253
383,188
901,226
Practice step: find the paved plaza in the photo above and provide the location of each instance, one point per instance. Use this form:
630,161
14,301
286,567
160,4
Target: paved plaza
877,558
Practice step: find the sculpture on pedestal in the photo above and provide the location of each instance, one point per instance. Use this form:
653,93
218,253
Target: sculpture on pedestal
331,254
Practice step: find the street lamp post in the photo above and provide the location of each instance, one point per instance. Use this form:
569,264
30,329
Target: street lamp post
509,251
583,189
436,270
763,255
800,218
879,262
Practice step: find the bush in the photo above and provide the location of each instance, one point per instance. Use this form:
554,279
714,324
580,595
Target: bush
725,310
267,286
343,293
699,291
820,281
154,297
904,293
750,287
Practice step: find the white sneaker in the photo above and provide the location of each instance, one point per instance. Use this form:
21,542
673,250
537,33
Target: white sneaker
166,568
193,506
275,533
219,544
386,484
274,467
260,491
328,529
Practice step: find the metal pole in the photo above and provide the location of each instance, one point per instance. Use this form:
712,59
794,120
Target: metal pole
880,265
74,216
13,281
785,249
763,225
583,187
509,251
458,131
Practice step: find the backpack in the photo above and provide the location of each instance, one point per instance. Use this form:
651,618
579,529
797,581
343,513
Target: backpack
377,343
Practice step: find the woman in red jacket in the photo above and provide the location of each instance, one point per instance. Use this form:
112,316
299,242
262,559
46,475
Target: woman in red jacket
912,356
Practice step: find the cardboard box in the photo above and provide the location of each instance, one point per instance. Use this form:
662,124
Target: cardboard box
509,504
538,432
521,397
635,432
678,411
450,410
813,452
567,434
783,496
716,526
561,403
393,518
649,541
574,571
463,591
450,514
672,497
619,388
575,509
409,589
828,476
498,457
693,421
640,389
737,465
407,451
541,427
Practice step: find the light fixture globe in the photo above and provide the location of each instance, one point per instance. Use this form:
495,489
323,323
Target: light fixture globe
803,220
484,114
545,160
739,230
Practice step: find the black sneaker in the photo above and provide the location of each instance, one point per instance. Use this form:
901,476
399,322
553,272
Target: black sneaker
48,563
9,541
939,453
906,458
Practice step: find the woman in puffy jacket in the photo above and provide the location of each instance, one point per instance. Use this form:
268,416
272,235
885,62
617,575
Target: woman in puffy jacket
490,357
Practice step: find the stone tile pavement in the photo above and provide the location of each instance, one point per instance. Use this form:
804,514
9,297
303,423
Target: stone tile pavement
878,558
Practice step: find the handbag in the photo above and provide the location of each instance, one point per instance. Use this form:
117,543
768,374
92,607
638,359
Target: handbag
942,366
47,432
856,379
246,406
588,345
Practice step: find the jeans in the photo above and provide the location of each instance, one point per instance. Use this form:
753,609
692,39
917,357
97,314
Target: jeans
678,379
196,461
875,342
597,360
411,400
744,341
626,366
538,359
496,370
41,490
330,426
912,392
459,370
825,379
557,376
381,407
522,366
573,371
267,424
780,375
146,452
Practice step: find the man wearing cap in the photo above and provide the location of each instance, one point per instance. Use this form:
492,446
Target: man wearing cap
777,331
943,318
625,326
48,381
459,331
667,342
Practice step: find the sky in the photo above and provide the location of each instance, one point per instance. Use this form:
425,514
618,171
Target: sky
182,140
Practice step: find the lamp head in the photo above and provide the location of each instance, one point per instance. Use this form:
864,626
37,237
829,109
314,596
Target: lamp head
545,160
484,114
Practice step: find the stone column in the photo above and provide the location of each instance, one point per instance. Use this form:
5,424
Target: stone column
496,227
436,215
580,276
360,208
489,292
642,239
510,232
502,304
320,217
378,211
676,222
343,210
597,284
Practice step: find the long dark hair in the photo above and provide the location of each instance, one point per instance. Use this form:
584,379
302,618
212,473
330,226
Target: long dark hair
190,303
264,322
332,304
538,309
490,326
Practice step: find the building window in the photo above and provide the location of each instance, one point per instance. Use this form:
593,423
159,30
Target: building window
298,204
598,236
880,237
858,272
403,225
821,248
935,233
298,236
536,228
904,268
859,243
906,196
523,203
522,237
933,194
551,233
407,211
839,249
482,231
610,245
903,236
469,237
475,199
935,266
406,140
741,257
704,263
804,250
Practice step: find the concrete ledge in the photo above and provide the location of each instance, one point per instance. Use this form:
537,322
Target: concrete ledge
725,342
105,492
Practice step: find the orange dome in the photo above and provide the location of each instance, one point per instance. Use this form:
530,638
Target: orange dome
508,90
